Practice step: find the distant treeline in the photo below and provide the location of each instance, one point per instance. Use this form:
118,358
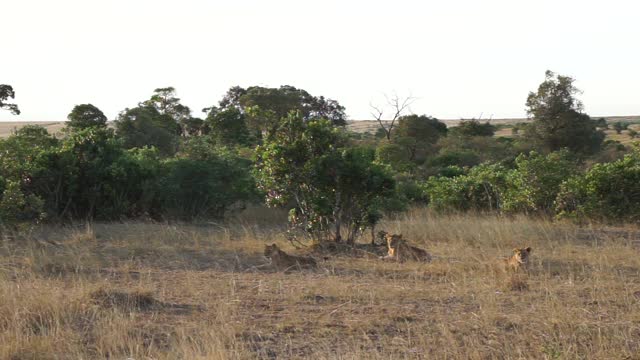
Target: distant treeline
285,147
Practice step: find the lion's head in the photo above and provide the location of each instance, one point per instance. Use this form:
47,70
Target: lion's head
393,240
270,250
522,255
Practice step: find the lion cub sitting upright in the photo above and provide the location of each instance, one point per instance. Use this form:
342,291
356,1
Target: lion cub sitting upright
519,259
401,251
283,261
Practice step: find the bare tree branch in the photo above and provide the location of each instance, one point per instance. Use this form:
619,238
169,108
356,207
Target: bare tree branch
398,107
377,113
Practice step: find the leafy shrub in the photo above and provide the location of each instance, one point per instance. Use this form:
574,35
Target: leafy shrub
461,158
609,191
474,127
534,184
479,190
16,208
333,187
90,176
393,155
193,188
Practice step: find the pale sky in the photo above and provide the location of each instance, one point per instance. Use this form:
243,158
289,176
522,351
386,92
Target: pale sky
460,58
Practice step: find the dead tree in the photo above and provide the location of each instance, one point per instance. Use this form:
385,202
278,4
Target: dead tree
398,107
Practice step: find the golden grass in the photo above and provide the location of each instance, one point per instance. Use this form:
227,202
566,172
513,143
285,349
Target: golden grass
165,291
8,127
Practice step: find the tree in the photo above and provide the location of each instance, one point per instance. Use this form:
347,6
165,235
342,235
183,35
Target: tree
266,106
535,182
398,107
608,191
394,155
203,181
558,120
20,152
480,189
229,127
473,127
194,126
164,100
619,126
91,176
232,98
332,186
418,135
602,123
16,208
86,116
146,126
323,108
7,92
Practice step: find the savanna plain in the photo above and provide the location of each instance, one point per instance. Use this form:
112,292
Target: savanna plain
184,291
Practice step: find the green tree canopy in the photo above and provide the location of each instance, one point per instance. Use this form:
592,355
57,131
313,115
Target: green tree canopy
164,100
6,93
608,191
418,135
558,120
276,103
333,187
474,127
229,127
146,126
86,116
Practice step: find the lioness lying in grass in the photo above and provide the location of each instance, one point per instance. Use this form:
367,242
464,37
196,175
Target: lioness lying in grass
399,250
283,261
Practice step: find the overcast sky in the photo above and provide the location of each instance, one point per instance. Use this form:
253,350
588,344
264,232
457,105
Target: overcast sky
460,58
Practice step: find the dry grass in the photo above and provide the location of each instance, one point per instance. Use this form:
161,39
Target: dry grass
8,127
161,291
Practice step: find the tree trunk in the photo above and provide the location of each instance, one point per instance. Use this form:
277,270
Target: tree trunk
338,236
337,213
373,234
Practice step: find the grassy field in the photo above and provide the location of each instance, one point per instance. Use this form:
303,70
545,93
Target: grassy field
164,291
371,126
7,127
359,126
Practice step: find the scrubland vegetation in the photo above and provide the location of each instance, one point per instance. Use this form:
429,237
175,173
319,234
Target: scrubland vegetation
145,239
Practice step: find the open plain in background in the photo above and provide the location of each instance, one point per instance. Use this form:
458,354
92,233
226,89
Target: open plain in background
170,291
358,126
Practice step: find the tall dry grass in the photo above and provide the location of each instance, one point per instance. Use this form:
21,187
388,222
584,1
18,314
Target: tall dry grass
184,291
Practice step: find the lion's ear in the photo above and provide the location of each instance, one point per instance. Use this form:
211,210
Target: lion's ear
515,250
529,249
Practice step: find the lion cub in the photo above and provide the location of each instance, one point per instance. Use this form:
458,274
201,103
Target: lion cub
519,259
401,251
282,260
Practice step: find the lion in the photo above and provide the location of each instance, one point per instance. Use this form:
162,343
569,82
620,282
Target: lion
519,259
401,251
282,260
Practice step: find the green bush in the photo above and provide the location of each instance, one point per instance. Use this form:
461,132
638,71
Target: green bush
535,182
200,188
473,127
609,191
462,158
394,155
479,190
332,187
16,208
